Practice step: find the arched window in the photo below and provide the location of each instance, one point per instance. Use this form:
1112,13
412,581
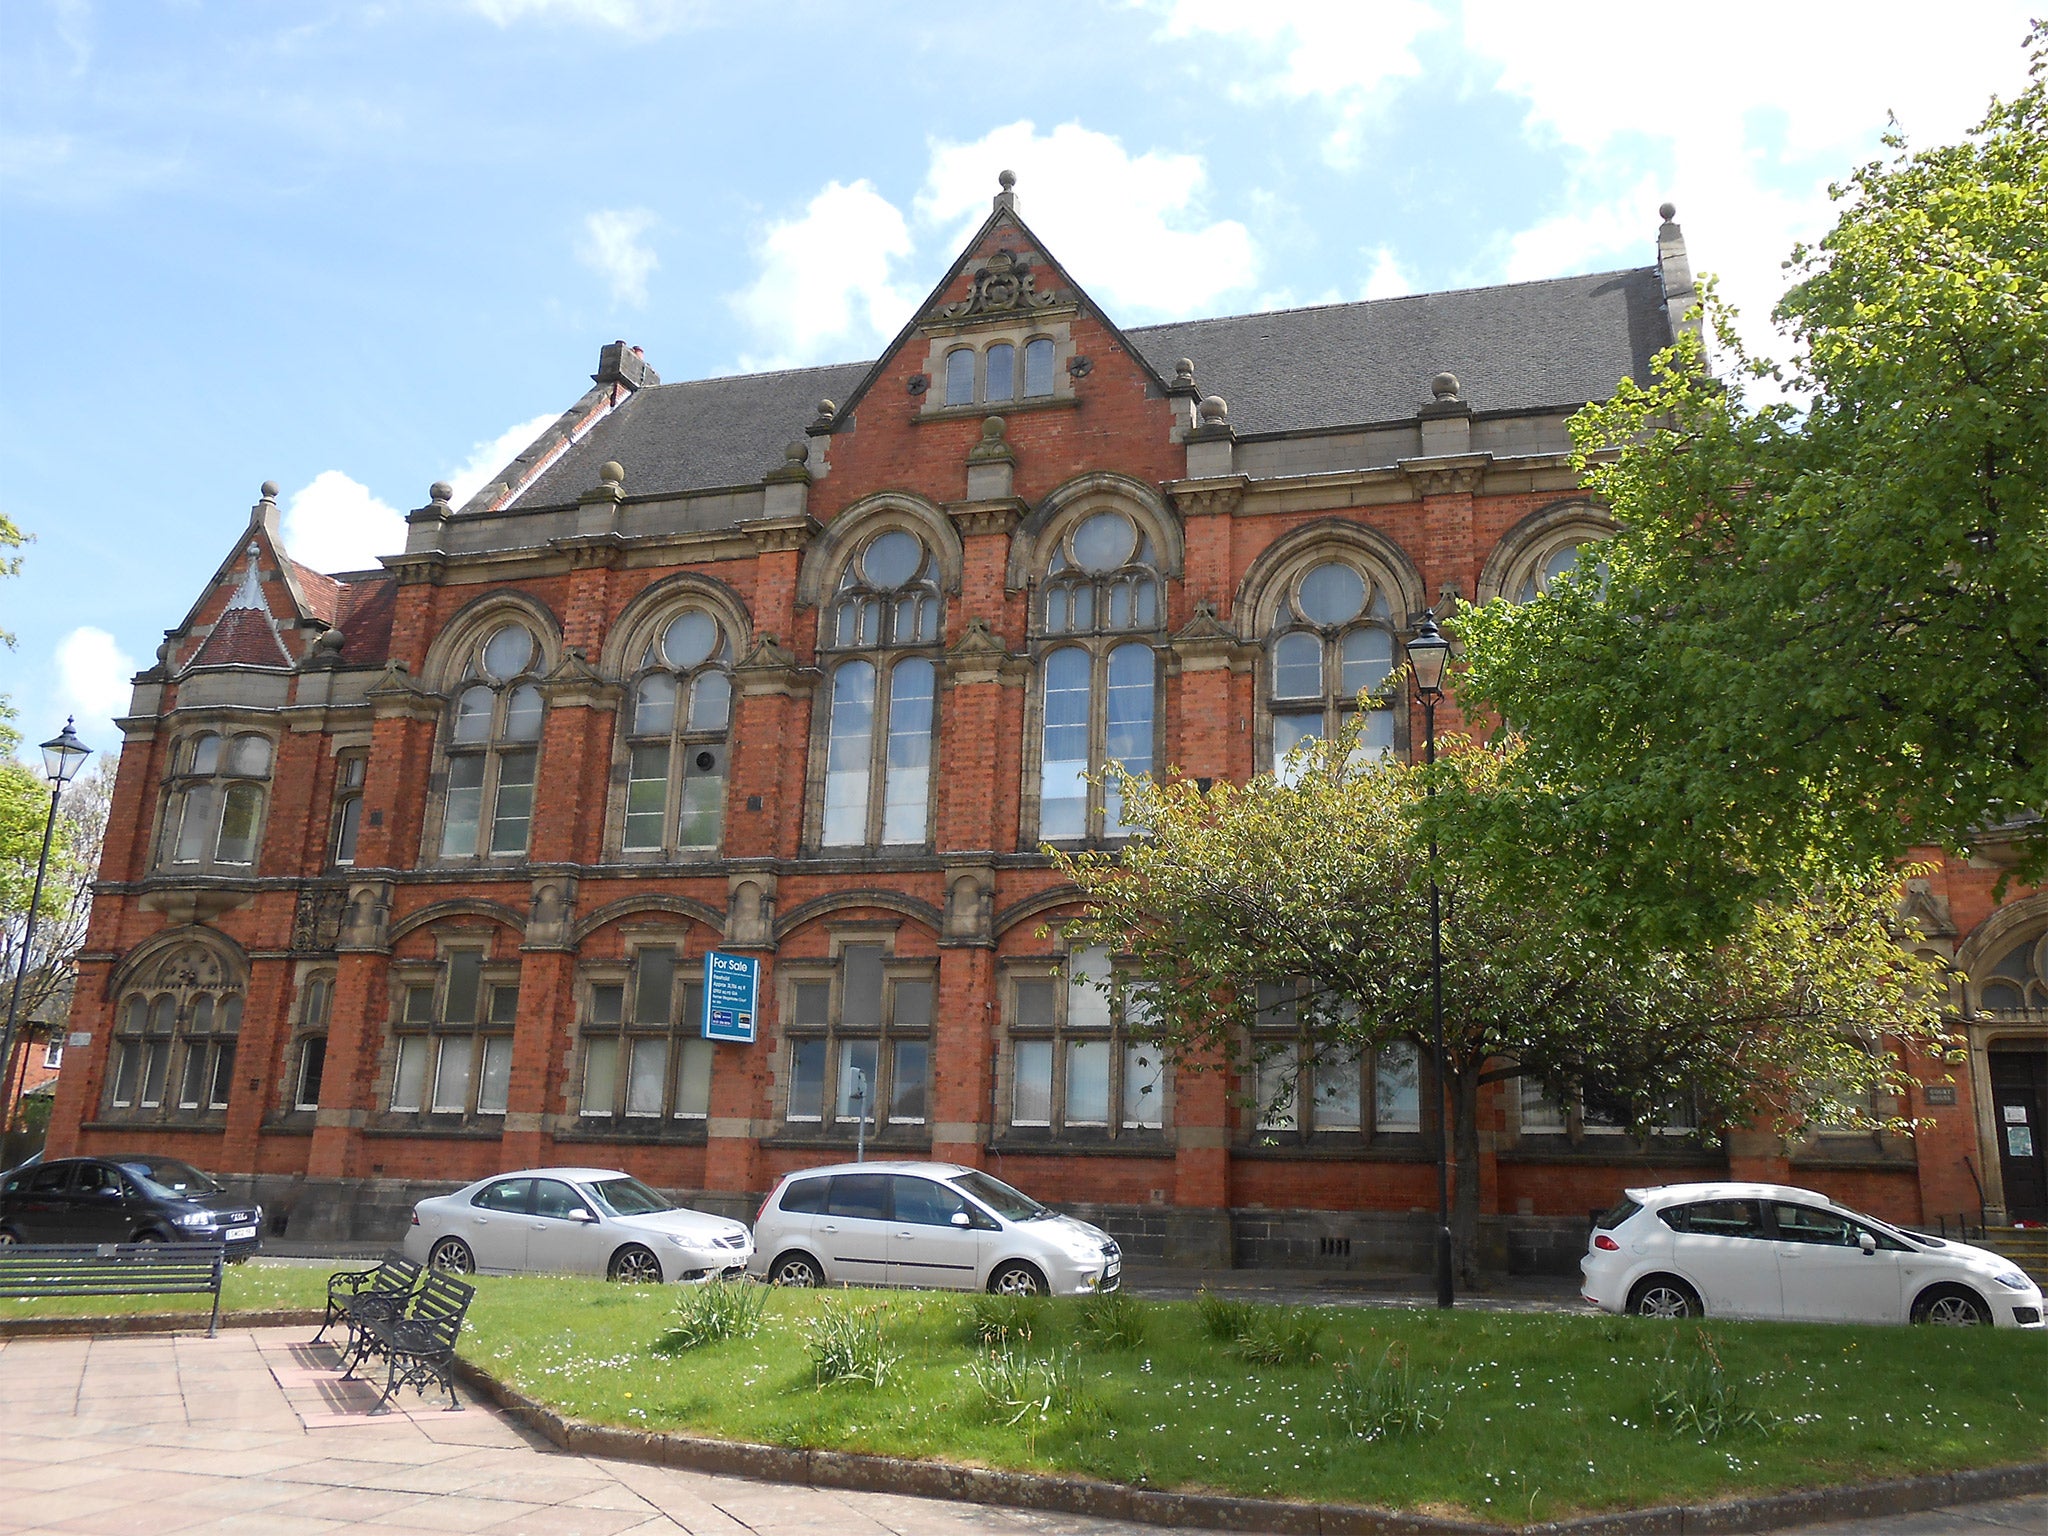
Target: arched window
349,771
314,1006
1551,564
1099,700
174,1038
214,815
1332,641
878,729
960,376
1003,372
681,706
2017,981
493,748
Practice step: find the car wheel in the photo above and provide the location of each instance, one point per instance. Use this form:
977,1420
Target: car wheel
634,1265
451,1256
1664,1296
150,1237
1016,1279
1950,1306
9,1237
797,1269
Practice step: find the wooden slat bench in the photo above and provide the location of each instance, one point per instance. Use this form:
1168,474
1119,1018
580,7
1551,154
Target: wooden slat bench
419,1347
29,1270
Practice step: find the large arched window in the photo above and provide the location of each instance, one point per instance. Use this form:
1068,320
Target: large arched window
1331,647
2016,983
879,710
681,706
174,1038
213,818
1099,694
493,748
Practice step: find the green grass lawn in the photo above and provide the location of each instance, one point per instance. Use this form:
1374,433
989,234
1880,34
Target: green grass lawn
1541,1415
253,1287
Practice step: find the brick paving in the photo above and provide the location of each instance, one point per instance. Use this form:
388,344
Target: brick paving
253,1431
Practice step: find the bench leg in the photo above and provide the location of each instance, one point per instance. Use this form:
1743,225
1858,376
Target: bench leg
213,1322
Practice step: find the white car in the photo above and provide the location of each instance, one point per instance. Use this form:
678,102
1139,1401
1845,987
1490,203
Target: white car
936,1225
1769,1251
574,1221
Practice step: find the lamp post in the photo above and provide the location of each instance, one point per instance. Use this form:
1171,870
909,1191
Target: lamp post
1427,653
62,756
860,1110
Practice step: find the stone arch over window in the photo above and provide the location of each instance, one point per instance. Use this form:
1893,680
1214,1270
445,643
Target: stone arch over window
1540,546
214,799
826,559
2004,964
1042,531
177,1020
489,662
1329,612
674,725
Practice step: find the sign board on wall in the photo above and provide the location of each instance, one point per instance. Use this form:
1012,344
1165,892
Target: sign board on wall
732,985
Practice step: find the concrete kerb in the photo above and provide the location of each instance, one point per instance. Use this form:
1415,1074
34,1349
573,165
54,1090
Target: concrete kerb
855,1472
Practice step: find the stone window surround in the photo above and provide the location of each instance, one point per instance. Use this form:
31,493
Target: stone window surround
681,739
1290,1040
449,671
494,975
147,982
828,1129
312,1017
347,797
679,940
1053,968
1525,548
1266,606
978,337
175,786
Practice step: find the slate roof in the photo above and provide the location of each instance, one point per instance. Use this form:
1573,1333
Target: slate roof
1515,347
242,637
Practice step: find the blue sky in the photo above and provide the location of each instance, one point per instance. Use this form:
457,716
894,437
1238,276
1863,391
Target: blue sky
356,248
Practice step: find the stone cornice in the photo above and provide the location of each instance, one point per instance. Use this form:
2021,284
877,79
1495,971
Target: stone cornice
1452,474
591,551
426,569
999,514
1203,498
773,535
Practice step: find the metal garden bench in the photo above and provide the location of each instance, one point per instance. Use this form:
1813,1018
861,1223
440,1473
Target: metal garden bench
355,1295
419,1346
29,1270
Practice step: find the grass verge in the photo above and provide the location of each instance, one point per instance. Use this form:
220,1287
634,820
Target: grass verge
1529,1417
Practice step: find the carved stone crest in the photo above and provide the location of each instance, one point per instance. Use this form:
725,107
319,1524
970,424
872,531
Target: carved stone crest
316,921
1003,287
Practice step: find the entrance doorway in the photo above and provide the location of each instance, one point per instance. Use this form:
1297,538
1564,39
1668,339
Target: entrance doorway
2019,1113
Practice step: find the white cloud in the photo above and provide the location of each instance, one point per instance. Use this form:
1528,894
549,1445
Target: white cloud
1387,279
1349,54
93,675
612,246
1129,227
335,524
827,287
640,18
487,458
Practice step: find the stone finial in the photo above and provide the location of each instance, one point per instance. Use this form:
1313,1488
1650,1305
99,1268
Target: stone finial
440,493
796,452
822,422
612,472
270,490
795,466
1184,376
1007,180
1214,411
1668,212
1444,386
1007,197
994,443
330,640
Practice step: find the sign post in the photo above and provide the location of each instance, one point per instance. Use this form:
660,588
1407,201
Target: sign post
732,985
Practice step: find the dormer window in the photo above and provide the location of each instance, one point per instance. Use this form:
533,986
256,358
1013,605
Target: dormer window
1000,373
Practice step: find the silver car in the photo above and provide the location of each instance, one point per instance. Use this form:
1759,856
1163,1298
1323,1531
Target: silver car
574,1221
1772,1251
936,1225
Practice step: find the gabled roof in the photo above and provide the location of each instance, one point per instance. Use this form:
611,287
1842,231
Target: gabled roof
244,635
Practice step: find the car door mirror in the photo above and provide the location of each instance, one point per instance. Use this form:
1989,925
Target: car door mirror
588,1218
962,1219
1866,1242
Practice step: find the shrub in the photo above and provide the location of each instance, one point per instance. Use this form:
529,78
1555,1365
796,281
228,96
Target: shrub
846,1345
1224,1317
998,1320
1113,1322
1389,1402
1016,1387
710,1314
1693,1394
1280,1336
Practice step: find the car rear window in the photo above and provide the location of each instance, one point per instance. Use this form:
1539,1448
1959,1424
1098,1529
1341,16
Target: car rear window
804,1197
1614,1216
1716,1218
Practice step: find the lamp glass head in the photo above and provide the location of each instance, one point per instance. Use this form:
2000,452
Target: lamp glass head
1427,654
63,754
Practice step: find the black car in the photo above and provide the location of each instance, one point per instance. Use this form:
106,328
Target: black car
128,1199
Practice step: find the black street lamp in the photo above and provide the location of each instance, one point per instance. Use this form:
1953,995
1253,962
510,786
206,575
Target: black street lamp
62,755
1427,653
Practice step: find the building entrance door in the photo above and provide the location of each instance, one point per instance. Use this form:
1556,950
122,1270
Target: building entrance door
2019,1110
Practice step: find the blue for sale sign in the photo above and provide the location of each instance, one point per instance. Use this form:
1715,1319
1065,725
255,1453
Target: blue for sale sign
732,984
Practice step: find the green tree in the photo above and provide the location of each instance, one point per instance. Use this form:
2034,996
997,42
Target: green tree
1822,633
1323,885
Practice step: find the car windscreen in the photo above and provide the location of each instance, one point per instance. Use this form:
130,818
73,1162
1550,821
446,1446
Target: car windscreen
626,1197
167,1175
1011,1204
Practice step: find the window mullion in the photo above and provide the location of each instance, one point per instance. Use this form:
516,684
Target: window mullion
878,744
678,771
1098,735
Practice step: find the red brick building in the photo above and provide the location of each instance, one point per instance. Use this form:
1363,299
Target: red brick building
412,872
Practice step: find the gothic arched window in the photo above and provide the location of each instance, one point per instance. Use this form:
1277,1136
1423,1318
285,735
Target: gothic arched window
1332,641
2017,981
880,702
681,706
174,1037
493,748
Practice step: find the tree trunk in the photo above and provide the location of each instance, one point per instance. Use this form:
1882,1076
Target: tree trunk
1465,1185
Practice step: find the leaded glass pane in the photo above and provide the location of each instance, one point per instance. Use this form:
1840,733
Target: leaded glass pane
847,755
690,639
710,701
512,818
703,811
239,816
451,1074
507,652
1037,368
494,1087
1331,594
1298,666
473,714
860,997
913,1004
195,823
1001,372
693,1079
1129,734
408,1073
891,558
522,714
654,705
1088,976
1063,784
960,377
205,755
465,984
906,785
654,986
1104,541
251,757
806,1079
646,1077
600,1076
1368,656
646,798
909,1061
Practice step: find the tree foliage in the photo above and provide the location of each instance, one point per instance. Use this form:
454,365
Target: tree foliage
66,908
1323,884
1822,637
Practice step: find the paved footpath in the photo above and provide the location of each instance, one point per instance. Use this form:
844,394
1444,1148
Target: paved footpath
253,1432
